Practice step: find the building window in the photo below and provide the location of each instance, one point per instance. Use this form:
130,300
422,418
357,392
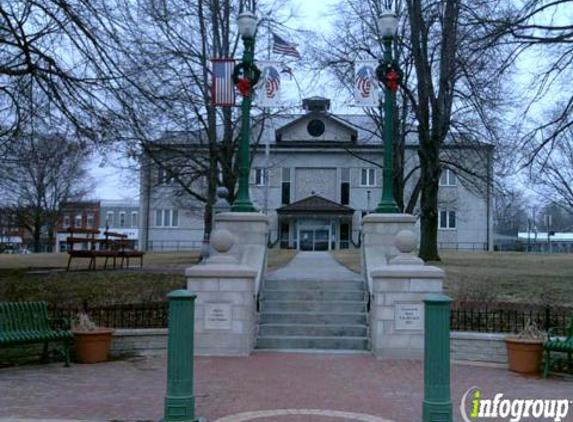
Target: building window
109,219
285,187
134,219
164,176
78,221
261,177
345,186
368,177
166,218
122,219
447,219
90,224
448,178
67,221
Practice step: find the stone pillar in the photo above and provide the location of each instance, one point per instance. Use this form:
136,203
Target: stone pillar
397,309
379,231
227,285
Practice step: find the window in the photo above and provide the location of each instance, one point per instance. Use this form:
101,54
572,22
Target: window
164,176
122,219
448,178
368,177
109,219
345,186
447,219
166,218
285,187
134,219
67,221
261,177
78,221
90,221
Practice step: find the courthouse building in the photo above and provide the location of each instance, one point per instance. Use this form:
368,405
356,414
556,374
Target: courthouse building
316,175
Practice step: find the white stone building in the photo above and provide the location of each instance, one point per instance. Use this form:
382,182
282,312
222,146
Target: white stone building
316,175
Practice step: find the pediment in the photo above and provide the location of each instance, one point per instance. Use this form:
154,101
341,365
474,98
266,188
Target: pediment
316,128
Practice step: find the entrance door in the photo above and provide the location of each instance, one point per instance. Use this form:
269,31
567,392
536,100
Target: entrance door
321,240
307,240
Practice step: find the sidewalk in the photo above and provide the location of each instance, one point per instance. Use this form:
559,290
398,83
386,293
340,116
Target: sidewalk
311,266
134,389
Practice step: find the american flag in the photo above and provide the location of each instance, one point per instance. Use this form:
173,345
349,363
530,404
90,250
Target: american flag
281,46
222,88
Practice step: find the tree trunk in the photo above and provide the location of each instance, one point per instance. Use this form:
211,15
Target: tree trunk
430,177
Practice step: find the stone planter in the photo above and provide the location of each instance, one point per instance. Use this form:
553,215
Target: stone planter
92,346
524,356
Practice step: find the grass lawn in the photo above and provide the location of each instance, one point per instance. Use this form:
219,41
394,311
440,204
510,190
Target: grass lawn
499,276
43,277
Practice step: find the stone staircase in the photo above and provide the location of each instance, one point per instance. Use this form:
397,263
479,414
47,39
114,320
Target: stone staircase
303,314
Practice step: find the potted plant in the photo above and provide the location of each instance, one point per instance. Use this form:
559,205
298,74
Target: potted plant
91,343
525,350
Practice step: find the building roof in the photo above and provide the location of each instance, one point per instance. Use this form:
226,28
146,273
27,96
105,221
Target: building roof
315,204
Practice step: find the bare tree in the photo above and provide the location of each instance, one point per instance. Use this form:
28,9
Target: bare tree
43,171
452,94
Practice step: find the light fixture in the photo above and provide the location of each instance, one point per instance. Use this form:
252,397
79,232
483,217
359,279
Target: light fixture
387,23
247,22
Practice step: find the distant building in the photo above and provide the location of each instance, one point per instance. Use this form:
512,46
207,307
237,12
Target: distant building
118,216
553,242
12,234
316,175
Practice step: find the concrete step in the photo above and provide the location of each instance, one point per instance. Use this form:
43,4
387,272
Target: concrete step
302,342
316,330
296,295
305,285
312,318
313,306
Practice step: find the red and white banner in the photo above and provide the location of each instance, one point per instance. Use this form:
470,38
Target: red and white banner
365,83
222,87
269,87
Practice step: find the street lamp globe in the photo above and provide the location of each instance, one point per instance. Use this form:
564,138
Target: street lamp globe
387,23
247,22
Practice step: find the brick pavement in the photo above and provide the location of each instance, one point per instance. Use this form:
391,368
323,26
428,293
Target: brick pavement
133,389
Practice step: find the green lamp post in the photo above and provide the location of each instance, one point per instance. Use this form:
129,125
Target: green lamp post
390,75
247,23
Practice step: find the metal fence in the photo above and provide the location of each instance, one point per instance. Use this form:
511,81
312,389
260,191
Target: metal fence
462,246
505,317
483,317
141,315
174,245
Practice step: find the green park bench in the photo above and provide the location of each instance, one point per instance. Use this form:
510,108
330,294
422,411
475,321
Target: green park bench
23,323
563,346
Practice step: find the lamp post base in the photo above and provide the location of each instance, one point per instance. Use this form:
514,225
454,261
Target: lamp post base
385,207
243,206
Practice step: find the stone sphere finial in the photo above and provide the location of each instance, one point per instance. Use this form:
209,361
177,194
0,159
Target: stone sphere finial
222,192
405,241
222,240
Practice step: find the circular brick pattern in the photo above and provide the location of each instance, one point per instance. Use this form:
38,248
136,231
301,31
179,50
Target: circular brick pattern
346,416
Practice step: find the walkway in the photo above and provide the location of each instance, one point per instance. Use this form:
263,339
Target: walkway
134,389
311,266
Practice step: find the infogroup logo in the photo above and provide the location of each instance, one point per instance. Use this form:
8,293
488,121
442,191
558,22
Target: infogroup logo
474,407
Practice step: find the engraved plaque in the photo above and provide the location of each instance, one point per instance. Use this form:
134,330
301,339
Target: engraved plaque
218,316
409,316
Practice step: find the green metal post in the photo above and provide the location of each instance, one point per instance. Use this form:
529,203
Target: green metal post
243,202
437,405
179,400
387,204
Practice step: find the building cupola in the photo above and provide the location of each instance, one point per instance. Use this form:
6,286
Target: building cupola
316,104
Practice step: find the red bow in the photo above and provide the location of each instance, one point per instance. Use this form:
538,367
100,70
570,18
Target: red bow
392,81
244,85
